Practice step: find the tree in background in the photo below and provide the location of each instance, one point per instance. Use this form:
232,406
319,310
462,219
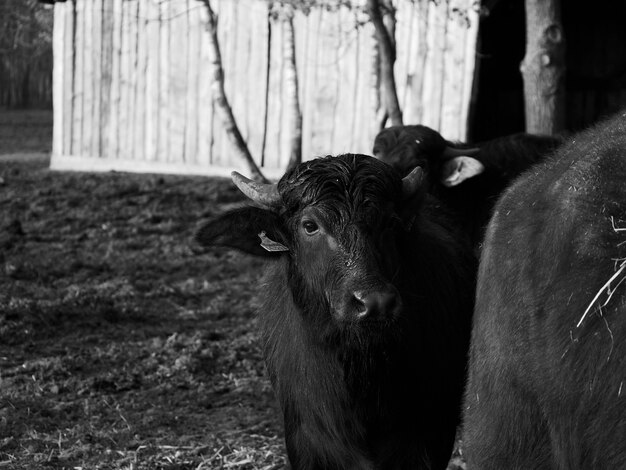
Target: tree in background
221,101
284,11
543,67
25,53
382,16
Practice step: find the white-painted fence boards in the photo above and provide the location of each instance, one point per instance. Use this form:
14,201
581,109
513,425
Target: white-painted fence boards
133,87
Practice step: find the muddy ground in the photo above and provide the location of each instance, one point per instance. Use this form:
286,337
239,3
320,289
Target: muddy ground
121,348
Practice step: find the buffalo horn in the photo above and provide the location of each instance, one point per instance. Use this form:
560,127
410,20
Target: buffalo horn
265,194
451,152
412,182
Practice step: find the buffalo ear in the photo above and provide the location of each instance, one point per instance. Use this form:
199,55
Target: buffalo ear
458,169
252,230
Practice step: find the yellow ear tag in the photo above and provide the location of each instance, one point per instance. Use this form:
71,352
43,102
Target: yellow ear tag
271,245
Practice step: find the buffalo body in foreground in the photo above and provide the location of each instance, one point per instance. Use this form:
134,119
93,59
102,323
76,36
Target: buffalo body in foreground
547,372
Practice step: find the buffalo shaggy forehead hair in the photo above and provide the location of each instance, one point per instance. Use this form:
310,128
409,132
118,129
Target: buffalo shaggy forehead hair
345,184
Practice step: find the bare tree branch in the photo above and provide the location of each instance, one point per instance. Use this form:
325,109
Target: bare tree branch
219,98
291,88
387,60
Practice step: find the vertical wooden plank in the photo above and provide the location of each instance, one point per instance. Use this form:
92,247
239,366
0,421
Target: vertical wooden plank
453,58
96,80
332,72
116,51
364,132
59,73
126,64
252,68
421,59
305,24
342,108
354,105
458,61
433,71
164,83
178,79
139,109
105,83
193,59
87,52
78,96
410,52
317,148
69,66
274,123
153,76
131,83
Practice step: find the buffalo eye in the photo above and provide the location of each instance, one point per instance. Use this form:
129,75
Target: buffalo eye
310,227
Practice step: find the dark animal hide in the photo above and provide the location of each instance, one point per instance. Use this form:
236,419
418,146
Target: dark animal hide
547,383
365,319
468,178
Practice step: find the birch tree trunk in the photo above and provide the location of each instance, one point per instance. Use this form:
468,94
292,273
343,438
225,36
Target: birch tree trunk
374,83
266,98
221,101
292,88
384,24
543,67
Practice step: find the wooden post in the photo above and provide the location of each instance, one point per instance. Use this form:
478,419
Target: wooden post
96,79
152,51
59,71
292,89
543,67
106,59
86,50
115,108
141,66
78,96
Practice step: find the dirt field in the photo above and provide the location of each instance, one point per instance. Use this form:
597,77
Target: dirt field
121,348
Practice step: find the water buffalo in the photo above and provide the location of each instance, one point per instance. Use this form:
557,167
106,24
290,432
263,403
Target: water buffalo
467,177
547,370
366,312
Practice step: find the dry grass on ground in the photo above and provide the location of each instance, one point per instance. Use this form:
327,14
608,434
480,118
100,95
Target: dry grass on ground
121,348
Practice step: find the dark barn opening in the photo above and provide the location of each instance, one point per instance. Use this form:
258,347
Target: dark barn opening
499,99
595,77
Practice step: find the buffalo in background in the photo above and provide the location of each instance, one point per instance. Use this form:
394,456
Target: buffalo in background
366,311
467,178
547,370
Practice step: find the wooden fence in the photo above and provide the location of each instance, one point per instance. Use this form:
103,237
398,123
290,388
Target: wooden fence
132,84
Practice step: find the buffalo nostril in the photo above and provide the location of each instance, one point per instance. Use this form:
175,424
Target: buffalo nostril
376,303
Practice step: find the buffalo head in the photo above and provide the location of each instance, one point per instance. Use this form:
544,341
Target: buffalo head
405,147
335,224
